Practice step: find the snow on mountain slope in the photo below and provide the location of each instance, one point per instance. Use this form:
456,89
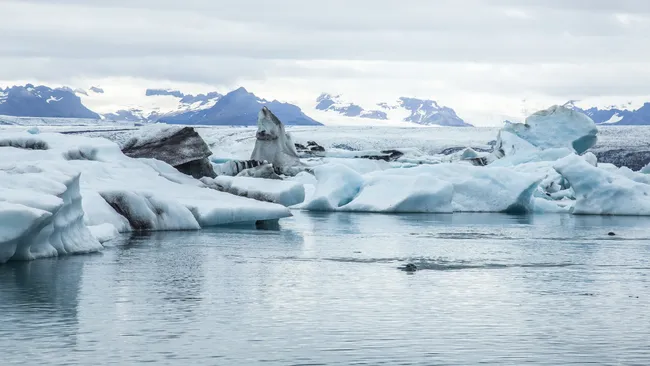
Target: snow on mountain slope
417,111
42,101
152,105
240,108
635,112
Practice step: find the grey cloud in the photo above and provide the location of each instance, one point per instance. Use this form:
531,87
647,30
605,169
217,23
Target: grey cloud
593,47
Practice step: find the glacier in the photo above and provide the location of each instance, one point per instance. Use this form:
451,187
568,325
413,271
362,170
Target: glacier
58,190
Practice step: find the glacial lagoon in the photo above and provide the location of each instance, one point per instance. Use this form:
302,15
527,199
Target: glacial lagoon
327,289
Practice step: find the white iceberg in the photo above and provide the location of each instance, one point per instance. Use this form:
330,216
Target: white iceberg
438,188
393,194
42,217
601,192
68,182
337,185
482,189
557,127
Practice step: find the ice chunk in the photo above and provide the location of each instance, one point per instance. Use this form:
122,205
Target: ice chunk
420,193
84,182
513,150
600,192
180,147
273,144
46,227
466,188
286,193
34,130
482,189
557,127
337,186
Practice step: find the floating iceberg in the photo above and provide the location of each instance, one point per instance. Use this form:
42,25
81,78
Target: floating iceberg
180,147
53,186
600,192
273,144
557,127
41,216
433,188
420,193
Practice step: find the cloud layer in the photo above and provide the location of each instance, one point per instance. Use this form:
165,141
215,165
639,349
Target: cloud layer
484,55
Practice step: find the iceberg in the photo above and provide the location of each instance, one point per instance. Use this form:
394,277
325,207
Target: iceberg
180,147
336,186
286,193
601,192
53,187
426,188
273,144
42,217
482,189
557,127
403,194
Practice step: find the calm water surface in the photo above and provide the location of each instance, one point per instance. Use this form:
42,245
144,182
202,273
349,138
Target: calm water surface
326,289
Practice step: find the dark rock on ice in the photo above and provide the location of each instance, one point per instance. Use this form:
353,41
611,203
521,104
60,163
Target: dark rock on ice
180,147
385,155
611,233
634,160
312,149
197,168
409,268
234,167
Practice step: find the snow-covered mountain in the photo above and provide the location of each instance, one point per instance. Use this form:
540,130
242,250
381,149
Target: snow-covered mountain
405,109
620,115
164,103
240,107
42,101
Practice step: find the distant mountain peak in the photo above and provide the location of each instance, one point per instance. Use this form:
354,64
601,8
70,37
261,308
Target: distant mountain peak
334,103
42,101
615,115
240,90
241,107
420,111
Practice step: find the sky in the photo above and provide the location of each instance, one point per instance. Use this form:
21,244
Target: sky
487,59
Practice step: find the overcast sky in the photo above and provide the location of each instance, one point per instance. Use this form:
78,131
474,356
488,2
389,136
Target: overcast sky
480,57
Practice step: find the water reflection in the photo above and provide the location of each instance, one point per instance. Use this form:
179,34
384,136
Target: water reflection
41,298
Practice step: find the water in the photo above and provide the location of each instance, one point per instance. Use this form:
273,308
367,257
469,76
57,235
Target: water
326,289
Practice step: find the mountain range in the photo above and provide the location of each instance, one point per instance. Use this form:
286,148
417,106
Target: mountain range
240,107
615,115
420,111
42,101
